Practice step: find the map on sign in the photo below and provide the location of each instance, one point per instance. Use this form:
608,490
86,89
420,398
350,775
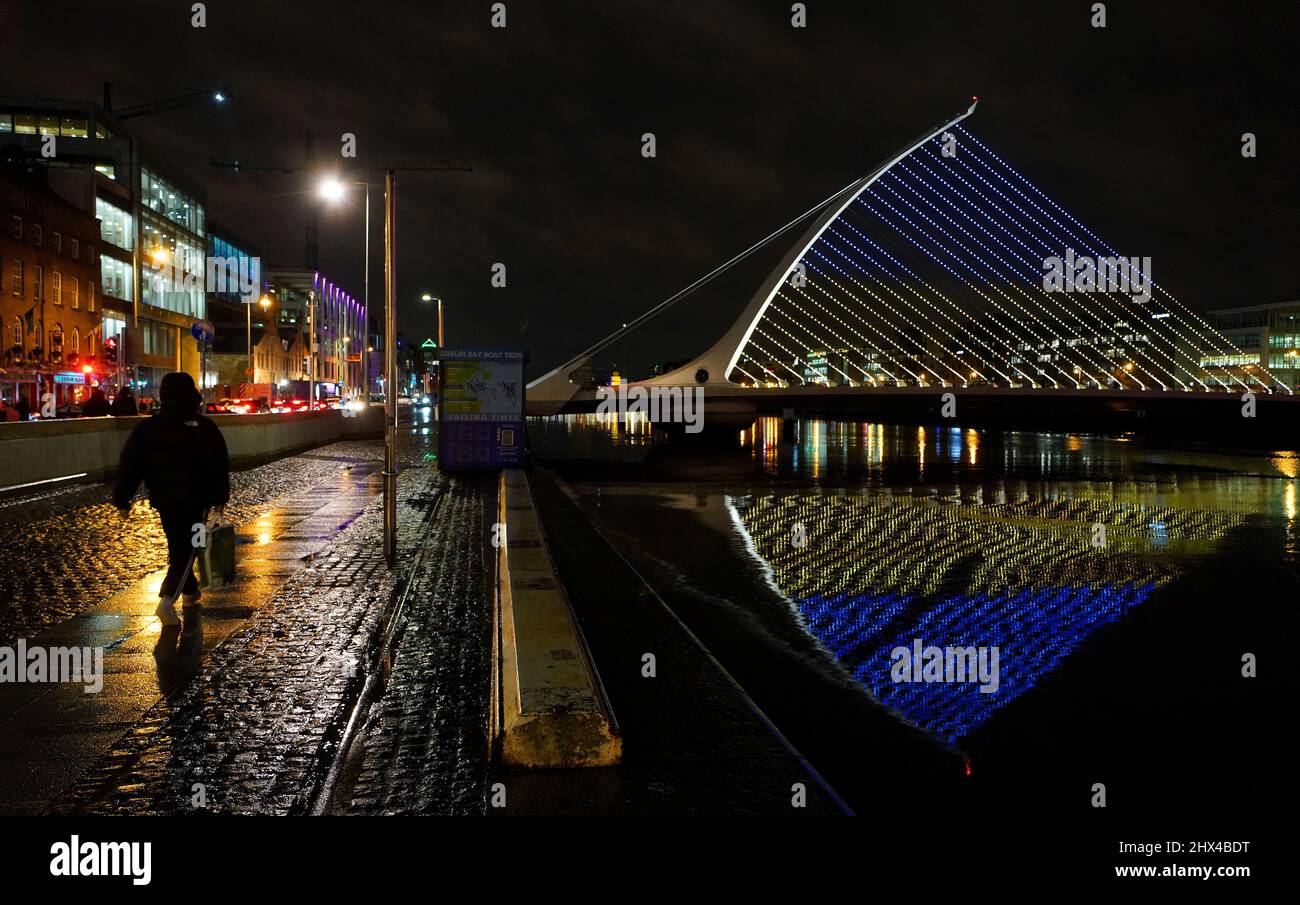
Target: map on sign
482,387
482,412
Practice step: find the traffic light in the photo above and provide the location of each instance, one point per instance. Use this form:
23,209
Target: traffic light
110,350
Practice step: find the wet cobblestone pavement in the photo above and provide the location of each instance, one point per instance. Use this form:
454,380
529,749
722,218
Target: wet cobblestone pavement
63,552
256,728
423,749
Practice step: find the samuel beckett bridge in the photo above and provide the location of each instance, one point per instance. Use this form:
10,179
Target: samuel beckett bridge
947,270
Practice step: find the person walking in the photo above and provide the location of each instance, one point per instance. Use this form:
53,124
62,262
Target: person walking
124,403
182,459
96,406
24,410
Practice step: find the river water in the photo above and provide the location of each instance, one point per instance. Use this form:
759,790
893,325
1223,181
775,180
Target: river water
1056,610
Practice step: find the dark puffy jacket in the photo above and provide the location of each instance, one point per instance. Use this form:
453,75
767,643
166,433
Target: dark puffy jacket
182,460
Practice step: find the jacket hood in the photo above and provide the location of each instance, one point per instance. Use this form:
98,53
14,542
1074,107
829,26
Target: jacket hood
178,394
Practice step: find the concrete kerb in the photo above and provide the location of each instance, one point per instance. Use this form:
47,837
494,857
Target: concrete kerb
549,708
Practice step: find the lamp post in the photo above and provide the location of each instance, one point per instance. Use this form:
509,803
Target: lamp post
343,372
389,169
332,190
265,302
390,370
311,351
426,297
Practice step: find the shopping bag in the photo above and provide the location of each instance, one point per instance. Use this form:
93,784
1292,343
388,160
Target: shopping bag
217,559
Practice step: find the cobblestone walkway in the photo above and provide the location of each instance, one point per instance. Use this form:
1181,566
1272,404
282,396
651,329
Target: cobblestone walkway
424,746
65,551
255,728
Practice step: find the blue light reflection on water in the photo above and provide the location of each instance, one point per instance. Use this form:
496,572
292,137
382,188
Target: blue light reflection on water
1033,628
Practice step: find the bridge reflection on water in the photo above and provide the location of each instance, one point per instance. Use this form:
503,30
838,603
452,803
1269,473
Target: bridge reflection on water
876,535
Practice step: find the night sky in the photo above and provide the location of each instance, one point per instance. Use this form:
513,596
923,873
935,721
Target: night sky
1134,128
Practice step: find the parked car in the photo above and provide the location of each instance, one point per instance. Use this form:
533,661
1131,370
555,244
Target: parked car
235,406
289,405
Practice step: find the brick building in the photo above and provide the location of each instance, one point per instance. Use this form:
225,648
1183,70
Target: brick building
50,304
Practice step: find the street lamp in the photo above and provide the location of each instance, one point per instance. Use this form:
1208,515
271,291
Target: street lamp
426,297
343,372
265,302
332,190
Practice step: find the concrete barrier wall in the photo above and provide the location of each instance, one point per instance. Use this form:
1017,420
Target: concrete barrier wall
87,449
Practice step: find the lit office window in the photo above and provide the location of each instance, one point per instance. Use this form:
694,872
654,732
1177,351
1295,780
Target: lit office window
162,197
115,225
73,127
115,277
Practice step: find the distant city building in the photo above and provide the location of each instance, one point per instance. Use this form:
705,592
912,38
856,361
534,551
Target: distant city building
152,227
49,297
307,302
1267,336
229,307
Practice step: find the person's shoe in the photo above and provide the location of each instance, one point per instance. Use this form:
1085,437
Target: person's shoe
190,603
166,612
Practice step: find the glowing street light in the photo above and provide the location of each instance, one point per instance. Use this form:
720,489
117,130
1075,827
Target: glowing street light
331,190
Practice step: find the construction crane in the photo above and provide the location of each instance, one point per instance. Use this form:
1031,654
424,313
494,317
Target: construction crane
193,99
